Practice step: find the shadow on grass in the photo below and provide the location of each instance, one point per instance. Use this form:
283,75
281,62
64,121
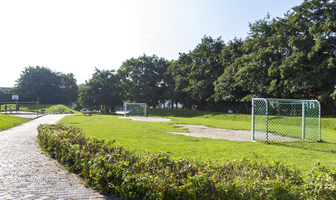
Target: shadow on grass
318,146
179,112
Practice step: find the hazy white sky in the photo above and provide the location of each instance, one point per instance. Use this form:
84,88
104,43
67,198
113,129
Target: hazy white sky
78,35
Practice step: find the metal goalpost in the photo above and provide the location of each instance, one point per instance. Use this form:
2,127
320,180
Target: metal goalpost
285,119
135,109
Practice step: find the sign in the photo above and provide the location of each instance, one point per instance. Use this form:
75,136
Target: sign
15,97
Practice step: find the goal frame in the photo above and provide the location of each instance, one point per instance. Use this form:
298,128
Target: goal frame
145,108
304,104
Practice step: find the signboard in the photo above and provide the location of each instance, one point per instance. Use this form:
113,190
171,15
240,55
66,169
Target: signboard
15,97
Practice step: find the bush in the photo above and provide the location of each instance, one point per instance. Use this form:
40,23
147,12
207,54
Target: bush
115,170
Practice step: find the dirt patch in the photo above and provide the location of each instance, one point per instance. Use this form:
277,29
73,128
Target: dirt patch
201,130
214,133
147,119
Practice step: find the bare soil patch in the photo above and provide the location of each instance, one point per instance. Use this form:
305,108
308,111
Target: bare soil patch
214,133
147,119
201,130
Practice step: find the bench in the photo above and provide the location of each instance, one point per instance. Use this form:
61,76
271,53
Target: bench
87,112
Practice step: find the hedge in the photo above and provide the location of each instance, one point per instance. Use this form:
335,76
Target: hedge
112,169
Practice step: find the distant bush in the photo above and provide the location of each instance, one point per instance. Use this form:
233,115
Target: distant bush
115,170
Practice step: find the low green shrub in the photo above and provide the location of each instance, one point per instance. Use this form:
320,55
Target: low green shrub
112,169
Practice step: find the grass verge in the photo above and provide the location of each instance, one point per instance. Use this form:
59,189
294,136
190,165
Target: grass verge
149,136
49,108
8,121
115,170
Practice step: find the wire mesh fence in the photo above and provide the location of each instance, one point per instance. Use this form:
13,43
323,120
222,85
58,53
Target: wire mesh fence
135,109
285,120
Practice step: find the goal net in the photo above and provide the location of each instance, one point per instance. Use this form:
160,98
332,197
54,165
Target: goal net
285,119
135,109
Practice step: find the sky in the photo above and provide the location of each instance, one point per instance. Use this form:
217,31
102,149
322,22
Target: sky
77,36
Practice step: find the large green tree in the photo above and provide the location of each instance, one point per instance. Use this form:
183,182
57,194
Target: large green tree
44,85
309,68
5,95
177,80
144,79
226,88
195,73
290,57
251,70
102,91
205,70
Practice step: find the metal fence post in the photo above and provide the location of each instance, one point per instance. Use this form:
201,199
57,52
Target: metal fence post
252,110
319,120
303,120
125,109
266,120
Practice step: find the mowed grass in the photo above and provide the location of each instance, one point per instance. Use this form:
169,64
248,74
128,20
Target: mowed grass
151,136
8,121
49,108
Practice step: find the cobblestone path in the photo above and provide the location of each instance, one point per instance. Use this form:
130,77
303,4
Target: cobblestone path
26,173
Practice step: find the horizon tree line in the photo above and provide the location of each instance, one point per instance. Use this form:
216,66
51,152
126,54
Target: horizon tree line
291,57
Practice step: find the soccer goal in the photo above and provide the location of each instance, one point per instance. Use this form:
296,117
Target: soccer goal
135,109
285,119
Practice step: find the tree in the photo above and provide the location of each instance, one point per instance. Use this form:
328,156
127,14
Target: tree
178,81
226,88
42,84
204,71
5,95
102,91
290,57
251,72
144,79
309,68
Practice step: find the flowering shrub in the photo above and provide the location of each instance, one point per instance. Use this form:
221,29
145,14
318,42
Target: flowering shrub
115,170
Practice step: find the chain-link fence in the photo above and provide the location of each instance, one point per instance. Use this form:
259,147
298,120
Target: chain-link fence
285,119
135,109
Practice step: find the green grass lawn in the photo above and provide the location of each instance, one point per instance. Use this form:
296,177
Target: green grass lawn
49,108
151,136
8,121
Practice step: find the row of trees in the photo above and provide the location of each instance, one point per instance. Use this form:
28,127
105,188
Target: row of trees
43,85
289,57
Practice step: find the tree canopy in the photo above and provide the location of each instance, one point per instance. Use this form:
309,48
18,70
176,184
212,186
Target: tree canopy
144,80
101,92
46,86
290,57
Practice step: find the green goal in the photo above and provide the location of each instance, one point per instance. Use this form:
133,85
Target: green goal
285,119
135,109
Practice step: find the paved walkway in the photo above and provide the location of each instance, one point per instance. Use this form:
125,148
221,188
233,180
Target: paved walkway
27,173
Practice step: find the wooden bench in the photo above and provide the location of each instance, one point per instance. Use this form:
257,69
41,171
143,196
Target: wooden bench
87,112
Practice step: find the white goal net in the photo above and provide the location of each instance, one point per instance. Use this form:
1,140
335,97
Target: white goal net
135,109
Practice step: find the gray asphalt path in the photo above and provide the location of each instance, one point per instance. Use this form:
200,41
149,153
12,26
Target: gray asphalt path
27,173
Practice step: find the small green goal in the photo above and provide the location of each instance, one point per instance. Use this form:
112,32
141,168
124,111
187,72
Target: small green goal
135,109
286,119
